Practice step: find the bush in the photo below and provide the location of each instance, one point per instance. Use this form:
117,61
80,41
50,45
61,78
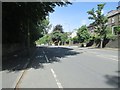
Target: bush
117,30
111,36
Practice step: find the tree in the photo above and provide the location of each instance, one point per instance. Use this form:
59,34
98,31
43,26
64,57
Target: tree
20,20
44,25
83,34
64,37
56,37
58,28
44,40
57,34
100,21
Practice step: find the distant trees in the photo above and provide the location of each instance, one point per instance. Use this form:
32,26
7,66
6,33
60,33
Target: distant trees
83,34
58,28
100,21
57,37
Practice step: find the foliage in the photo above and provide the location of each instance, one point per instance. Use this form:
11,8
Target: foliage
44,25
117,30
99,23
20,20
83,34
109,34
100,20
58,36
64,37
44,40
58,28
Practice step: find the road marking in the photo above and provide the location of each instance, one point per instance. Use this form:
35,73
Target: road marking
55,77
107,57
46,57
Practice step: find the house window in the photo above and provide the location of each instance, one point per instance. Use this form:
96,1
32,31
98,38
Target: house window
119,17
113,20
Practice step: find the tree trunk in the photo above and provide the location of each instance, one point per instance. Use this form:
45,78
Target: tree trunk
101,43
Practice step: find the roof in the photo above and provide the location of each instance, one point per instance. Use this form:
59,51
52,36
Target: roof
113,12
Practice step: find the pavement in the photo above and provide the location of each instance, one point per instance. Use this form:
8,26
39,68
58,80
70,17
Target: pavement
13,66
64,67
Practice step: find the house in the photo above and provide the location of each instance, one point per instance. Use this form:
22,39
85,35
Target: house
91,28
73,34
114,18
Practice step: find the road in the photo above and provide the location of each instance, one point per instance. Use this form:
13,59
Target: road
65,67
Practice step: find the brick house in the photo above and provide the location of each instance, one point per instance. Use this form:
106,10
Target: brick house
113,18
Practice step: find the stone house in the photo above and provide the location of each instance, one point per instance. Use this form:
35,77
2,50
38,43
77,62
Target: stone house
113,18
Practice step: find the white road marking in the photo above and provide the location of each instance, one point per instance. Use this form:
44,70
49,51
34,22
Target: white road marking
55,77
46,57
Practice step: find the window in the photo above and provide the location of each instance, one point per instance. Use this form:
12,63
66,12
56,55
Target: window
119,17
113,20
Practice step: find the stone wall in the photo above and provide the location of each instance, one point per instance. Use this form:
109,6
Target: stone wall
113,43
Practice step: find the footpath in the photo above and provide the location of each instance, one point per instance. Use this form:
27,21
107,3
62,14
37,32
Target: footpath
13,66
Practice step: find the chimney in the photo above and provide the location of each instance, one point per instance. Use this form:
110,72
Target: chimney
118,7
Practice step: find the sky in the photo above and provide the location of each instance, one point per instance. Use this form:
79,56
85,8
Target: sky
75,15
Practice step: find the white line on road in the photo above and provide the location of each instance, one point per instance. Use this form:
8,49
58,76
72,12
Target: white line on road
55,76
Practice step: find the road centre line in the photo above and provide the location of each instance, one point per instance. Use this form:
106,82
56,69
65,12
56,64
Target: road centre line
55,77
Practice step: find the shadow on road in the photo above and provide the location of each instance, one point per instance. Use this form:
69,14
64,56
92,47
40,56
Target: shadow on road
17,62
113,80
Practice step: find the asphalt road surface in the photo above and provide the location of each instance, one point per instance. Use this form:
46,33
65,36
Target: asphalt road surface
63,67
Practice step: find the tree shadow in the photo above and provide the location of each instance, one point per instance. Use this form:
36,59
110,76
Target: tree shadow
113,80
40,56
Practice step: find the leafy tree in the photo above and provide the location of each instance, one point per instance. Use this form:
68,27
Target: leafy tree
58,28
20,20
83,34
58,34
44,25
44,40
56,37
100,21
64,37
75,39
